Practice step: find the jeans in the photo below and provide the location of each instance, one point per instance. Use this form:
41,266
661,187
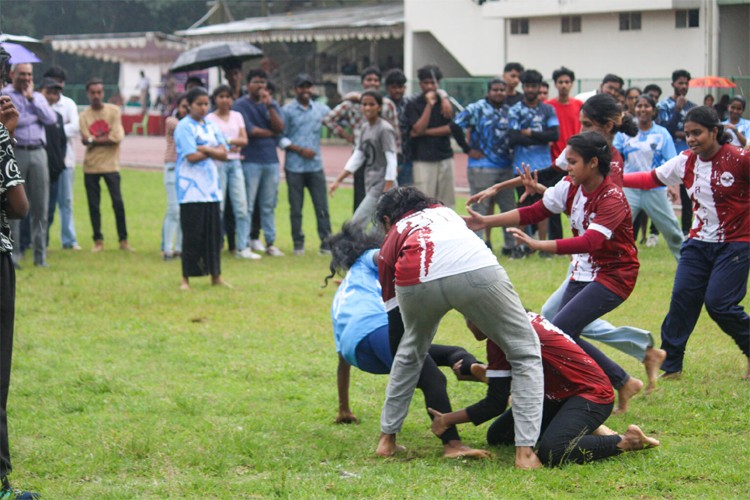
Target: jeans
232,179
93,194
315,182
486,297
262,181
628,339
33,167
405,174
582,303
656,205
714,274
171,233
61,194
482,178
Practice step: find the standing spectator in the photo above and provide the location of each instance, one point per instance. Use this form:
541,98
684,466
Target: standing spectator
722,107
64,194
349,112
611,84
101,133
653,90
708,100
395,85
736,126
263,122
533,126
631,97
490,160
143,87
33,114
200,144
430,139
231,176
568,111
543,91
13,205
171,234
56,146
512,76
304,166
672,112
233,75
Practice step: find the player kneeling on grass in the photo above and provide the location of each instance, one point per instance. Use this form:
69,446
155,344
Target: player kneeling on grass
578,398
361,333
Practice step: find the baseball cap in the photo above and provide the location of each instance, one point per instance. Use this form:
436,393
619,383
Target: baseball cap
303,79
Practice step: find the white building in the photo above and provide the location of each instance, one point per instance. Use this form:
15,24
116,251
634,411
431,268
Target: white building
643,41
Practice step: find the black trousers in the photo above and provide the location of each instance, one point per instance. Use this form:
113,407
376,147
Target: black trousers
7,320
359,188
315,182
566,432
432,382
93,195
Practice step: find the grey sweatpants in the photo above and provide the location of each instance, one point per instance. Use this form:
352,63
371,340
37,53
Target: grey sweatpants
486,297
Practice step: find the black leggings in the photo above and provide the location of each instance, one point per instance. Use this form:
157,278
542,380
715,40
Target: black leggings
432,382
566,432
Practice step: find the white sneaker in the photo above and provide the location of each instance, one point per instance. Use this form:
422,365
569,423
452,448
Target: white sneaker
247,254
257,246
274,252
652,240
299,252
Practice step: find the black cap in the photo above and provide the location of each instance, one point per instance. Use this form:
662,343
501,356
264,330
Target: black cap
303,79
51,83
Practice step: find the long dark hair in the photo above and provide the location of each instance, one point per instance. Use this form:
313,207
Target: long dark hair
592,145
348,245
709,118
399,201
603,108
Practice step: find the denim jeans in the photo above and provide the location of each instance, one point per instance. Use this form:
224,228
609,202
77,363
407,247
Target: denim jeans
61,195
656,205
262,181
232,179
171,233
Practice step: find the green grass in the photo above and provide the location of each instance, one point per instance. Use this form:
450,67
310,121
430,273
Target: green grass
125,387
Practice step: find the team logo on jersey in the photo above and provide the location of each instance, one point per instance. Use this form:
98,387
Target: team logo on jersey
726,179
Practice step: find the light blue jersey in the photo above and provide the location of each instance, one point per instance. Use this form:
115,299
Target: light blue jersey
358,307
197,182
647,150
743,127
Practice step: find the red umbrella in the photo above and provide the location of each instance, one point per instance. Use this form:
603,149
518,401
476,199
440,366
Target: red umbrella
712,82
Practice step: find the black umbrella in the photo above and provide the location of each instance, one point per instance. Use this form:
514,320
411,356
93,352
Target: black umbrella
213,54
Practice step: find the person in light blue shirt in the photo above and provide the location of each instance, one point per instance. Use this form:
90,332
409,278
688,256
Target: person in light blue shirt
490,160
303,166
652,147
736,126
200,145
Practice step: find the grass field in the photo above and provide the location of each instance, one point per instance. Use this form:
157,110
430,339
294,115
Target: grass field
123,386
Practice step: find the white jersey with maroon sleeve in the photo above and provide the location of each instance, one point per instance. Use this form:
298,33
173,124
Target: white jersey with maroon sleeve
428,245
615,263
719,189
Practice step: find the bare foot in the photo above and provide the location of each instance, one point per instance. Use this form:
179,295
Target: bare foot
438,426
635,439
220,282
652,362
603,430
479,371
526,458
456,449
185,285
98,246
632,387
387,446
671,375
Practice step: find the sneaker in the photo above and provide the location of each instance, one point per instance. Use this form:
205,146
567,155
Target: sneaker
9,493
545,255
246,253
74,246
517,253
299,252
257,246
652,241
274,251
325,252
126,247
98,246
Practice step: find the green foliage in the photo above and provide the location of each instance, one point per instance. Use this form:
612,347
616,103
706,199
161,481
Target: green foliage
123,386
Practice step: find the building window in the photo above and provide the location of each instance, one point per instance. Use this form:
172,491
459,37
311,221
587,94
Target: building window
571,24
688,18
630,21
519,26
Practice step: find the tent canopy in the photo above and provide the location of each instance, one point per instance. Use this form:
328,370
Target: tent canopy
144,47
364,22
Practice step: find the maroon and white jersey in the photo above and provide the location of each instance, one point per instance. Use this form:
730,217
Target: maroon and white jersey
428,245
606,210
568,370
720,190
616,165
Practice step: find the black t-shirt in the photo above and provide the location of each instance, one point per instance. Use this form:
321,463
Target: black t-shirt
57,145
510,100
428,148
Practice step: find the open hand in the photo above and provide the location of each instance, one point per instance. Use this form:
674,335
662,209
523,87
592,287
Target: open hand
524,238
530,182
438,426
474,220
481,196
